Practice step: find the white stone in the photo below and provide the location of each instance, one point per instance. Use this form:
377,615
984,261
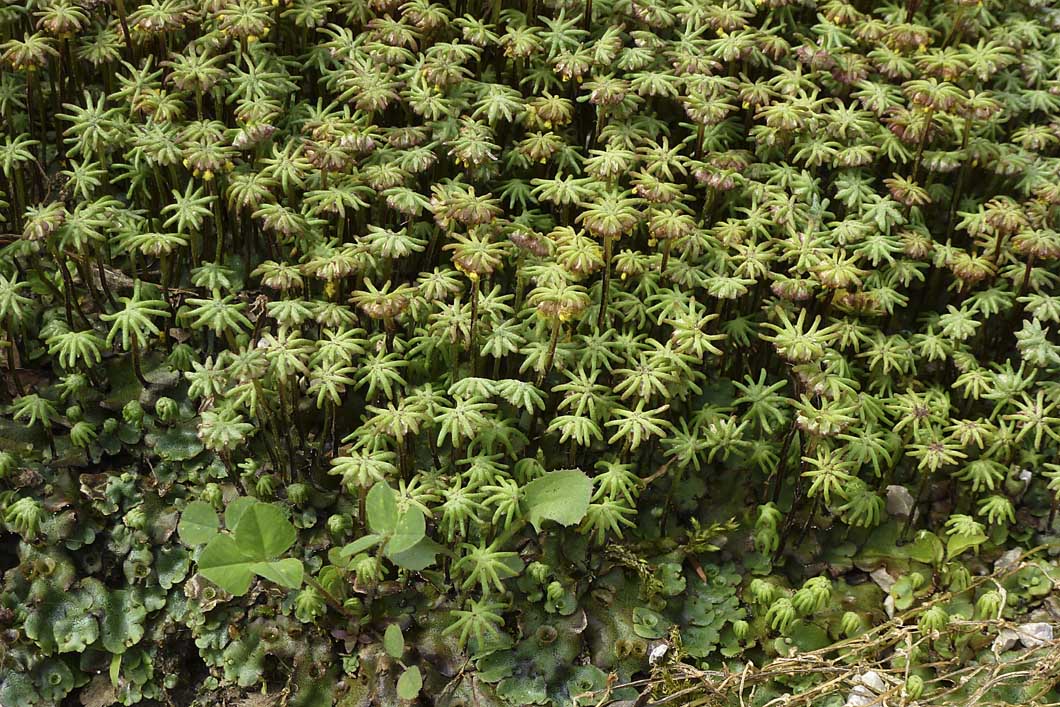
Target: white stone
883,578
860,696
864,693
1006,640
1008,560
900,502
657,653
873,681
1035,634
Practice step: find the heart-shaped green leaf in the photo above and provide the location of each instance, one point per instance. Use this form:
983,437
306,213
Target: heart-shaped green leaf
225,565
198,523
560,496
236,508
381,507
410,529
286,573
263,532
418,557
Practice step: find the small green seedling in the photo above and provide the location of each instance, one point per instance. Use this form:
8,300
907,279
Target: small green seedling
411,680
400,535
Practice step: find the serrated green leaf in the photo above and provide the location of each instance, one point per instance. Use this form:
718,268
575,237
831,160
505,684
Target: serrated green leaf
198,523
410,683
394,642
381,507
560,496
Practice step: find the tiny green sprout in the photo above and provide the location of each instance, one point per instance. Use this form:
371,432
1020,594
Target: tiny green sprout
33,409
607,518
298,494
863,508
539,572
813,596
766,536
478,622
212,494
781,614
485,566
309,605
25,516
8,463
367,568
339,525
83,434
933,620
914,687
957,576
133,413
997,509
136,518
265,486
964,532
851,624
166,409
989,605
762,592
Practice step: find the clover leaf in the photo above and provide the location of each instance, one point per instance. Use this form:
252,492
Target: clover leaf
261,534
198,523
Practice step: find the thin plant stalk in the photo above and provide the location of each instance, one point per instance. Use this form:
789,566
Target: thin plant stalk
605,290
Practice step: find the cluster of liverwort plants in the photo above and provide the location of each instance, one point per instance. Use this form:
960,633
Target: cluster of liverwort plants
374,351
